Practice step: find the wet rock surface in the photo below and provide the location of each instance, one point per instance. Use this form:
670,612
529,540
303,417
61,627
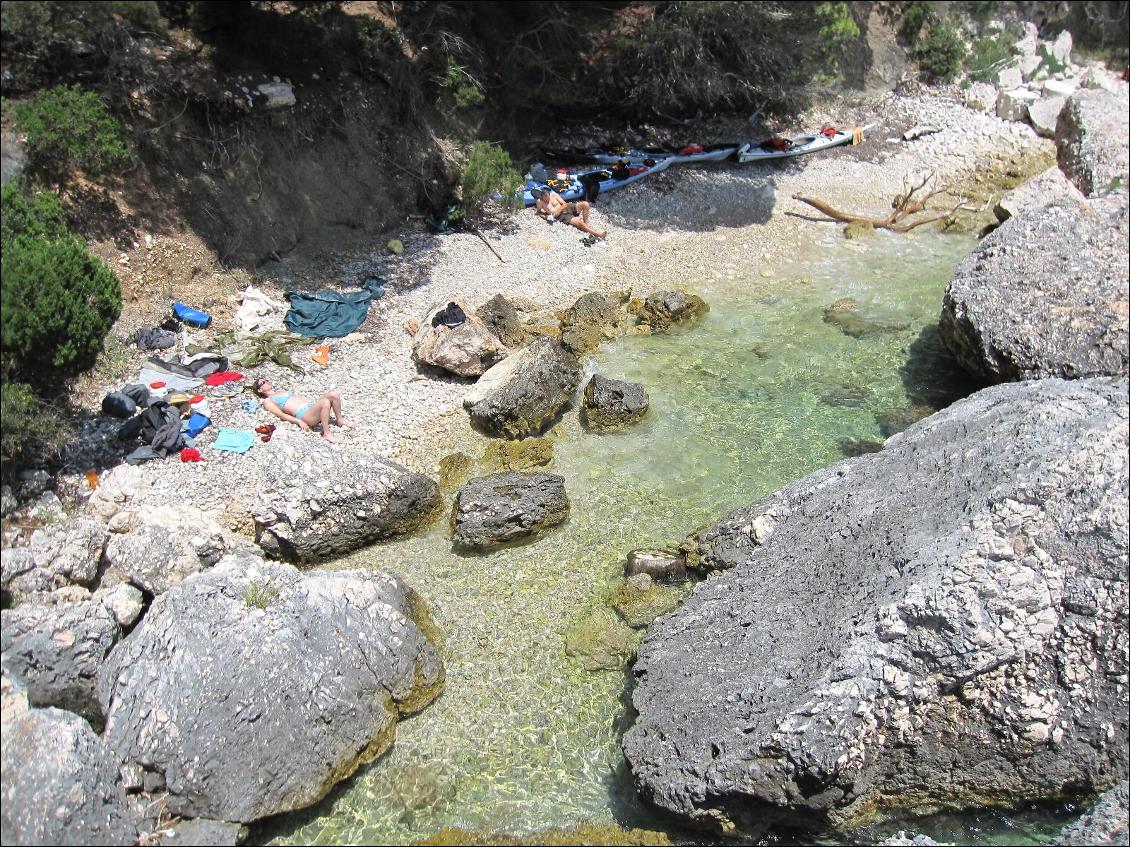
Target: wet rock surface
1107,822
593,318
1045,295
251,651
524,394
664,309
504,508
318,501
611,404
939,624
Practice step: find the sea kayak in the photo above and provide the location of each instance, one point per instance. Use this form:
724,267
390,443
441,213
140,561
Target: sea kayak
635,155
799,145
571,185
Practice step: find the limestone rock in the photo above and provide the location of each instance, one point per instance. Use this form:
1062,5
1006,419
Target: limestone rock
1043,115
517,455
1010,78
981,97
851,320
1012,105
665,309
201,832
1029,39
589,321
1060,49
57,555
469,349
639,600
59,783
940,621
508,507
164,545
1045,294
1044,188
251,689
279,95
501,316
612,403
1092,140
57,653
601,641
321,501
523,394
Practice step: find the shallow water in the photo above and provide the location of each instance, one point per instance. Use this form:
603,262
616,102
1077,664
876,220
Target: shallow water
758,394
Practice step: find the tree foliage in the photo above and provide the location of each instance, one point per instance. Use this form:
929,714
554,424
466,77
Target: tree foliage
57,300
940,54
489,171
67,127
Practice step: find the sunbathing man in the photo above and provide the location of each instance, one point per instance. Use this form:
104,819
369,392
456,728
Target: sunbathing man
552,205
288,406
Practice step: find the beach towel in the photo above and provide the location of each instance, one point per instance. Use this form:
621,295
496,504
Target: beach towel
234,440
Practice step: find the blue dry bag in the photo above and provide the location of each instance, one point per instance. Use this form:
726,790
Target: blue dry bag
192,317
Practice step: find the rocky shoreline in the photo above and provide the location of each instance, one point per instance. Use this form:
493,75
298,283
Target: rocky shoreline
137,575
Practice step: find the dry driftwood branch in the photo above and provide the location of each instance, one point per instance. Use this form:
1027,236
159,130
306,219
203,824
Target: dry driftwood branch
904,205
488,244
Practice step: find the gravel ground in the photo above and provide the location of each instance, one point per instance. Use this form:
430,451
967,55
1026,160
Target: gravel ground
674,230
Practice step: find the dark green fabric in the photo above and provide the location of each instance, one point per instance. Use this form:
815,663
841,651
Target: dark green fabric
326,314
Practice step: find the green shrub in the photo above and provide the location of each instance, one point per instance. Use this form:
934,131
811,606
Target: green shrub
988,52
940,54
139,14
30,426
40,215
837,29
259,596
57,302
461,86
71,128
489,171
915,15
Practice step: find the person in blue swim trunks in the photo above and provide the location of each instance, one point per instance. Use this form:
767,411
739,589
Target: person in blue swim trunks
307,414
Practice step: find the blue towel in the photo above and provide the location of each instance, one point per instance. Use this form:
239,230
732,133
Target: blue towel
234,440
196,423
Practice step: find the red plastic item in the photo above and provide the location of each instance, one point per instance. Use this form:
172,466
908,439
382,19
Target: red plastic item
191,454
196,399
156,385
691,149
221,377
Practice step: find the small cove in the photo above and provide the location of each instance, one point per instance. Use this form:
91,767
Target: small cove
760,393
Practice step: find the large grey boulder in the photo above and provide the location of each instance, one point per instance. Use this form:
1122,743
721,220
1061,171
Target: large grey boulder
524,394
1107,821
1044,113
504,508
57,653
1092,140
1041,190
251,689
937,625
503,318
469,349
1045,294
612,403
58,782
317,501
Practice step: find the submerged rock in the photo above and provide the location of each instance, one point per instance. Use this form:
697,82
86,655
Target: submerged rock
611,404
500,456
939,625
320,501
524,394
251,689
601,641
593,834
846,315
508,507
894,421
1045,295
658,564
59,782
639,600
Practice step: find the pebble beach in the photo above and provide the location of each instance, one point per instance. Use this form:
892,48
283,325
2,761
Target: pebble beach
678,229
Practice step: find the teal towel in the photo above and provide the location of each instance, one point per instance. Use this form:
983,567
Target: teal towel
234,440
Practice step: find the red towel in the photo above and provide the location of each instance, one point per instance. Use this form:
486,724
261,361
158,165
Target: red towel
190,454
220,377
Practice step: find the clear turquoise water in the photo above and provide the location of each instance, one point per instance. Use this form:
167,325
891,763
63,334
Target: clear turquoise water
758,394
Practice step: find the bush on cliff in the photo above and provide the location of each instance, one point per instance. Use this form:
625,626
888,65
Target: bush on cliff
489,171
68,128
57,301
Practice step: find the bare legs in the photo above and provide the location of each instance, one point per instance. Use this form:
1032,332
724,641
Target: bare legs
582,223
335,405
